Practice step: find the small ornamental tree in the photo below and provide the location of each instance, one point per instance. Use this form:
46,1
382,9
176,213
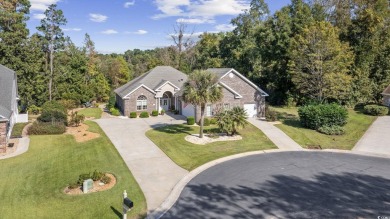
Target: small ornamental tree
230,121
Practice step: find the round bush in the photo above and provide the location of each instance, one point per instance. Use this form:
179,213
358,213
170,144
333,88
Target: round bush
115,112
331,130
190,120
144,115
154,113
213,121
316,116
133,115
206,122
376,110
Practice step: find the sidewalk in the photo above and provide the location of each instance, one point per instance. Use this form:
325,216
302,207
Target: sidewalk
22,147
279,138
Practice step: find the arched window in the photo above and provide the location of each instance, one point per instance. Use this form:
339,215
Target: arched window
142,103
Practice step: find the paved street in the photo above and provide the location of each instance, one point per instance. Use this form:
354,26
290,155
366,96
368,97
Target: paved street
154,171
294,184
377,137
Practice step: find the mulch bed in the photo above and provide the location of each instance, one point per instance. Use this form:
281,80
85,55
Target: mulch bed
96,187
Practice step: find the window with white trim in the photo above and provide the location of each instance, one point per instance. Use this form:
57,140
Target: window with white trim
209,111
142,103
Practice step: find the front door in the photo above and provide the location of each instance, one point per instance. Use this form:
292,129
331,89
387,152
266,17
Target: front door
165,103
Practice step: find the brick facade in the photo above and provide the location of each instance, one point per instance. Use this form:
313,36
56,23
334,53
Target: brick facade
3,135
130,104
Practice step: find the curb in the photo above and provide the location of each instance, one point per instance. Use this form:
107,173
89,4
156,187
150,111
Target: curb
174,195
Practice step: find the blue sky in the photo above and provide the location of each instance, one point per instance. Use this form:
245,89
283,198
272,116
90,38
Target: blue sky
119,25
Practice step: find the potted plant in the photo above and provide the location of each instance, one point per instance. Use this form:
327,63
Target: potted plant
162,112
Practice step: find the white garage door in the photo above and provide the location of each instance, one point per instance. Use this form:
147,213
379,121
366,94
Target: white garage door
251,110
187,110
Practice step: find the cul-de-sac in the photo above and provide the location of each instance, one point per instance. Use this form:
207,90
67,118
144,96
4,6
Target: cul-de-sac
195,109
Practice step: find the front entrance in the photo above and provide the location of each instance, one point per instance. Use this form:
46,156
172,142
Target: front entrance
165,103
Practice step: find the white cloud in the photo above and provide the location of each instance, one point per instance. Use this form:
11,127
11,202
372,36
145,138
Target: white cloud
195,21
128,4
97,17
199,9
138,32
224,27
38,16
109,32
71,29
41,5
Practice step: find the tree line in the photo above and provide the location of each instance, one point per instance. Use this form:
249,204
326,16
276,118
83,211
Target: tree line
308,51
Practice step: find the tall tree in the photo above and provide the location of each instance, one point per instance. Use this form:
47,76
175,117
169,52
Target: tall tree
207,49
320,64
54,37
201,88
182,40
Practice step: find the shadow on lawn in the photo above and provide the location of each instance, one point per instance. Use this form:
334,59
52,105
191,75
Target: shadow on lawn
343,195
119,214
175,129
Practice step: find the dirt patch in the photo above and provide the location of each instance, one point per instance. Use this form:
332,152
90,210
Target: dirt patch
194,138
81,134
97,187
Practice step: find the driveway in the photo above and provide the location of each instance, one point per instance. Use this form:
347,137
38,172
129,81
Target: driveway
294,184
154,171
377,138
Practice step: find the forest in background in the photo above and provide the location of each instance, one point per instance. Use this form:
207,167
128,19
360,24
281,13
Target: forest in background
309,51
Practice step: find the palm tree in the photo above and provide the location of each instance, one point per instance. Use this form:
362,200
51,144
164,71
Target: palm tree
201,88
238,119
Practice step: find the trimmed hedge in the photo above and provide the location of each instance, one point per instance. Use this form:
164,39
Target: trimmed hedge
331,130
133,115
144,115
206,122
376,110
154,113
213,121
190,120
316,116
46,128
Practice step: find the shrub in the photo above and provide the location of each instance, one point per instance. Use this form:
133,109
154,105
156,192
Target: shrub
162,112
83,177
315,116
213,121
331,130
270,114
96,175
73,185
133,115
376,110
115,112
53,111
154,113
34,109
144,115
111,101
190,120
206,122
46,128
230,121
68,103
76,119
105,179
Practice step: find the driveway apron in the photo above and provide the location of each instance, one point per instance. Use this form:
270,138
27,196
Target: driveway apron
154,171
376,139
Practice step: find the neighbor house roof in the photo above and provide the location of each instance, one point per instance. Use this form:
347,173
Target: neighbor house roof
153,79
386,91
222,72
7,82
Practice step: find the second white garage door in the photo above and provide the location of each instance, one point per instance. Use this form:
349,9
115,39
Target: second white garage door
251,110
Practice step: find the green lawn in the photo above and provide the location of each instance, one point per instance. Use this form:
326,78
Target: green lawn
18,129
189,156
357,125
91,112
31,185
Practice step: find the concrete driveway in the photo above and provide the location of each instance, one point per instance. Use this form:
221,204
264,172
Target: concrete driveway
154,171
377,137
295,184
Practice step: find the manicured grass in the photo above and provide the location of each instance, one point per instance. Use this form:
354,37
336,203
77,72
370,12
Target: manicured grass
18,129
32,184
357,125
171,140
91,112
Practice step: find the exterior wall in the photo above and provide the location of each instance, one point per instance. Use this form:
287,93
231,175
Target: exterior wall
386,100
119,103
130,104
249,96
3,135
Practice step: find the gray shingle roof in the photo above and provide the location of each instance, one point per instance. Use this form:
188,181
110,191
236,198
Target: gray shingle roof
219,72
386,91
7,77
154,79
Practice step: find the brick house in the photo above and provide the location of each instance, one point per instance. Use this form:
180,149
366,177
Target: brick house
161,87
386,96
8,104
